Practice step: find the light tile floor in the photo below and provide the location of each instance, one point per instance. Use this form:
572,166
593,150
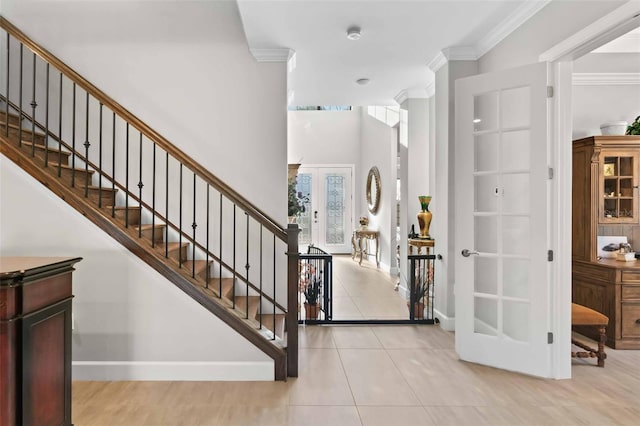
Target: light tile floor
377,376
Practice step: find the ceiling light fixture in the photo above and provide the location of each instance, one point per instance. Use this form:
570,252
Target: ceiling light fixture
353,33
363,81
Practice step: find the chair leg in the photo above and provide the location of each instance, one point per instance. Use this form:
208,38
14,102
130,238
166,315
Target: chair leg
603,339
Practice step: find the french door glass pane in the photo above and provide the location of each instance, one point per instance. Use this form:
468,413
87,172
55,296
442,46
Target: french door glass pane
303,186
335,192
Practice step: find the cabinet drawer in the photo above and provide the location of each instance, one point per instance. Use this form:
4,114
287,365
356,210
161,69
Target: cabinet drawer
630,292
631,320
631,276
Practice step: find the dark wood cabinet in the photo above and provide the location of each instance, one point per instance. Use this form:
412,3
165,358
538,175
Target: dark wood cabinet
606,172
35,341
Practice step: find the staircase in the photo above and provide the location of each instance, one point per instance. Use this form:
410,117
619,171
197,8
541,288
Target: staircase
171,212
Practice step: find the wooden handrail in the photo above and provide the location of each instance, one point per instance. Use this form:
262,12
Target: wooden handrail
151,134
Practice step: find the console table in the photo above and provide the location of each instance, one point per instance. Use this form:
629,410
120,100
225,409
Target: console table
362,236
419,243
35,340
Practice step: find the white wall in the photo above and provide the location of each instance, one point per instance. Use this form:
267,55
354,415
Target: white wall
327,137
185,69
125,312
378,149
595,104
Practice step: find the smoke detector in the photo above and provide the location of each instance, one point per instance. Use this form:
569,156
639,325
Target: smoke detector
353,33
363,81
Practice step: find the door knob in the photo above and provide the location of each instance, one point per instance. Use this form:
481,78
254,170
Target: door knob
467,252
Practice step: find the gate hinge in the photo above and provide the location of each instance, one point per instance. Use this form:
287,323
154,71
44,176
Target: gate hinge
550,172
550,255
549,91
549,337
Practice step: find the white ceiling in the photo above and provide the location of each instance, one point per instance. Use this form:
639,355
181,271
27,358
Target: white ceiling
399,38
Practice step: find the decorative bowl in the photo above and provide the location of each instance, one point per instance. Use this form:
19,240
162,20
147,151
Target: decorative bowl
614,128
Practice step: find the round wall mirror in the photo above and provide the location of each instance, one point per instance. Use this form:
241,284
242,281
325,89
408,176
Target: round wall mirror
373,190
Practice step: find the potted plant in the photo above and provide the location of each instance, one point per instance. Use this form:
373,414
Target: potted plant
420,296
312,297
634,128
297,202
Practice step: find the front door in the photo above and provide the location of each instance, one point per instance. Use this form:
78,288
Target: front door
328,218
502,187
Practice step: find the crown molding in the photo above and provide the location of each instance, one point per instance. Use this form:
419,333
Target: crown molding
521,15
605,78
414,93
437,62
272,55
460,53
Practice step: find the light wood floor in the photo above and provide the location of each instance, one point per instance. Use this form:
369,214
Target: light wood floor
384,376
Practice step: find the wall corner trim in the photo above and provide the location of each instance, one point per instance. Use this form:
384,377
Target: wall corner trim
415,93
437,62
272,55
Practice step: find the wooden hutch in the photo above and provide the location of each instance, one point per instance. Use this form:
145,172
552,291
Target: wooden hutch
35,341
606,172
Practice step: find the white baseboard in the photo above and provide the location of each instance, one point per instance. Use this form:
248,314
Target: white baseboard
446,323
172,371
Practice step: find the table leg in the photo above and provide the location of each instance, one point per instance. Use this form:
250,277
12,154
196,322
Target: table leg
353,243
377,251
361,249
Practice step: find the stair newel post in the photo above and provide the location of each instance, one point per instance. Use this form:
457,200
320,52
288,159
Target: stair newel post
60,128
73,138
194,225
166,205
140,186
246,267
275,262
292,299
46,118
126,178
20,99
233,295
34,104
100,158
208,273
153,200
220,249
6,104
87,144
113,163
260,305
180,222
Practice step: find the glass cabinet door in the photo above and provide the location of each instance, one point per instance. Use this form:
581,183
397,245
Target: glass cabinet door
618,187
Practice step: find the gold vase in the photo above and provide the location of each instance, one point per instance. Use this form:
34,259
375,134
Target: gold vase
424,216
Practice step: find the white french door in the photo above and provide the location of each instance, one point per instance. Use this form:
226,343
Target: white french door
502,187
328,218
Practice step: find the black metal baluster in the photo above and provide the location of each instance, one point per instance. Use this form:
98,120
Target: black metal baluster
20,99
274,287
206,281
34,104
153,200
126,179
246,267
73,139
180,223
6,104
140,186
233,292
220,251
166,206
60,129
194,225
46,120
87,144
100,159
113,164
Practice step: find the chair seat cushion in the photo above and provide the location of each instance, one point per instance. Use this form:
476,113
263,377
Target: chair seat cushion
581,315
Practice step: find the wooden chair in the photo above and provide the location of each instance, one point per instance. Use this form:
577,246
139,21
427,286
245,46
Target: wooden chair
583,316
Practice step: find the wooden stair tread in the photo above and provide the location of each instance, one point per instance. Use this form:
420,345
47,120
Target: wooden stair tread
77,169
267,322
200,265
146,226
45,148
104,188
172,246
15,126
